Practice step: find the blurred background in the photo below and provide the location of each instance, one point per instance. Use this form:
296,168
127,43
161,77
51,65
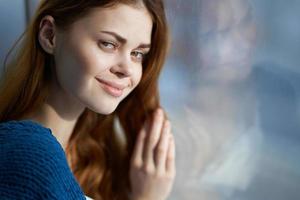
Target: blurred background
231,87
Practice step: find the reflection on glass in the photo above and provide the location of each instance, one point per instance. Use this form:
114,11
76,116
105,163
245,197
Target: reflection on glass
233,104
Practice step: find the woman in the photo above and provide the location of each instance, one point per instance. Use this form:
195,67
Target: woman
85,82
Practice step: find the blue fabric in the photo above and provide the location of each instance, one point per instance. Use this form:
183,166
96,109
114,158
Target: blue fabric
33,164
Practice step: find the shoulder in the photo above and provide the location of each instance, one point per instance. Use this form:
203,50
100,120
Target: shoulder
32,160
29,139
24,129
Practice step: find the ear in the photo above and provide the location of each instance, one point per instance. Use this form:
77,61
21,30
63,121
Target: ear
47,34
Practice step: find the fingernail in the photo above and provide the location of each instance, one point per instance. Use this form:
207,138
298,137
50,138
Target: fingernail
170,124
167,124
159,112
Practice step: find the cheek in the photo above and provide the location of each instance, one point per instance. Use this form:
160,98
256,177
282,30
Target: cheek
89,60
86,55
137,76
74,68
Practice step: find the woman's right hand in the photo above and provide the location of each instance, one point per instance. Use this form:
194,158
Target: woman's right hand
152,170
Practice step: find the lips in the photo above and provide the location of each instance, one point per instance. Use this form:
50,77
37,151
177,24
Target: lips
112,84
112,88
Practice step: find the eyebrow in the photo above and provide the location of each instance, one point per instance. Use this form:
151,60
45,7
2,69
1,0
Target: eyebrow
123,40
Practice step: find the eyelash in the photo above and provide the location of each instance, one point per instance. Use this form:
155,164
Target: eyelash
115,46
140,53
104,43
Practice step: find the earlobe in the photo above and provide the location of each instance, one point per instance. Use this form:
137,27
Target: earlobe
47,34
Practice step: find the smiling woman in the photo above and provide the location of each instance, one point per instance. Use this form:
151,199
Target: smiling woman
83,67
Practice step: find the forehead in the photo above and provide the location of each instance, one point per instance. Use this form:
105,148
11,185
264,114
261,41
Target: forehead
128,21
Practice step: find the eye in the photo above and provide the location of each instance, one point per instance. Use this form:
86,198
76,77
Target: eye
139,56
108,45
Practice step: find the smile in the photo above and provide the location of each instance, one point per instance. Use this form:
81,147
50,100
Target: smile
111,88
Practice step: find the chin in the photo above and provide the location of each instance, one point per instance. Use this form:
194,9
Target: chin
106,112
103,109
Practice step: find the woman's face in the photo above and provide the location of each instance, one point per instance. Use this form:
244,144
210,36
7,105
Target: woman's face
99,58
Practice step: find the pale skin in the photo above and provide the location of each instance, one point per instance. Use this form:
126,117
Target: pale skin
79,58
152,169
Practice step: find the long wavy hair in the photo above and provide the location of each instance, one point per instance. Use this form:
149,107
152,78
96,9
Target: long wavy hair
98,150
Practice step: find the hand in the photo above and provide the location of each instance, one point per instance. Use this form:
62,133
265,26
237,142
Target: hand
152,170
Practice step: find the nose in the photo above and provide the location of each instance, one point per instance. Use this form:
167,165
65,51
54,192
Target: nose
122,68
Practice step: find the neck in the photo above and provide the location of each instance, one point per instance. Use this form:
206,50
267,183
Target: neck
59,113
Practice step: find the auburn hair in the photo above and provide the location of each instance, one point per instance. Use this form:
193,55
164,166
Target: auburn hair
97,155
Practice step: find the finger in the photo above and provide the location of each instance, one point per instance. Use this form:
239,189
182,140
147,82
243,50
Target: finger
137,156
152,137
162,148
170,163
